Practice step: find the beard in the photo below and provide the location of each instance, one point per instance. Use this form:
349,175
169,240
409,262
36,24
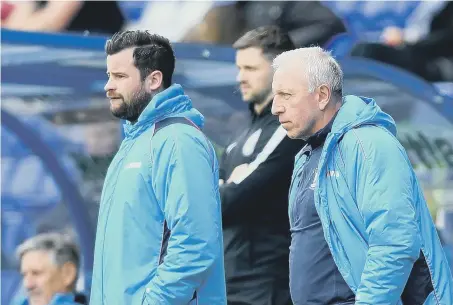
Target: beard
131,109
259,97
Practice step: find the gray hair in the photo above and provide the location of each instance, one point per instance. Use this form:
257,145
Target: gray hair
61,247
320,67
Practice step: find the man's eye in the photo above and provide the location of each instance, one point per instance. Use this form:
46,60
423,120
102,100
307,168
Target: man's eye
286,95
116,76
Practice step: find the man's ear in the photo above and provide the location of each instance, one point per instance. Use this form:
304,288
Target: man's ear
324,97
69,274
154,81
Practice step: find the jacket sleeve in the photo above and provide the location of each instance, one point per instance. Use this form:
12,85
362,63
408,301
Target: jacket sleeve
385,198
185,183
241,197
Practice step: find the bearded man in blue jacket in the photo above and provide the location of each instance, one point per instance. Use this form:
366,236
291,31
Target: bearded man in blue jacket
159,238
361,231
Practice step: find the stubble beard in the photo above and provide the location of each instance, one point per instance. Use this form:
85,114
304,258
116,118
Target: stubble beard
131,110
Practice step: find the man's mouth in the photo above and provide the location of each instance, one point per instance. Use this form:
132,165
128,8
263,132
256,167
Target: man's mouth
115,100
34,294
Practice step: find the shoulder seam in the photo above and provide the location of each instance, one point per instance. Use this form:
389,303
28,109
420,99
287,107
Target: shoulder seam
359,141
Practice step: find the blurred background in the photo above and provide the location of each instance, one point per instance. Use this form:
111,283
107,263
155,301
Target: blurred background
58,136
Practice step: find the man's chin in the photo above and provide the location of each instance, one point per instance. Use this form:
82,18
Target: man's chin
247,98
290,135
293,134
117,112
37,300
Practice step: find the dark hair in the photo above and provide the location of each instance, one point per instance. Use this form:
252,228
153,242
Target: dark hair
270,39
152,52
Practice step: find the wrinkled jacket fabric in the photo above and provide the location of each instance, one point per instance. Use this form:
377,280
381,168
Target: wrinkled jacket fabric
159,238
374,216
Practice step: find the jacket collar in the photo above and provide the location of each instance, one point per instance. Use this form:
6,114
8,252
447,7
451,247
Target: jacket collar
172,102
58,299
320,136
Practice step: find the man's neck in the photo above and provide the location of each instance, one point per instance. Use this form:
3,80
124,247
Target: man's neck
259,107
327,117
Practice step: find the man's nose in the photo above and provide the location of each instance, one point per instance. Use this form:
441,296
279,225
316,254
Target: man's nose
240,76
277,109
109,86
29,283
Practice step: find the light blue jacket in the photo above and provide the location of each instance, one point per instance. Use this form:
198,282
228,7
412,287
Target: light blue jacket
58,299
372,209
159,234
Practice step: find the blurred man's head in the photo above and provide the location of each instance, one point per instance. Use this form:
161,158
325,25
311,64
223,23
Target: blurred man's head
49,264
139,65
255,51
308,88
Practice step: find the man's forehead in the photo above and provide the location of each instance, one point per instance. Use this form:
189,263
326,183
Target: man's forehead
287,77
251,56
35,258
123,58
290,68
287,72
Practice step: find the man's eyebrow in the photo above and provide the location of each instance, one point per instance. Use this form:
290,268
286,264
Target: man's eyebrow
115,73
282,90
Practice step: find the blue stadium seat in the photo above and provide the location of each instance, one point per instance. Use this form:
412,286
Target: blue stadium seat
341,44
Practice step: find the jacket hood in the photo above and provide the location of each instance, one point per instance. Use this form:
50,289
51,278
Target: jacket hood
357,111
172,102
